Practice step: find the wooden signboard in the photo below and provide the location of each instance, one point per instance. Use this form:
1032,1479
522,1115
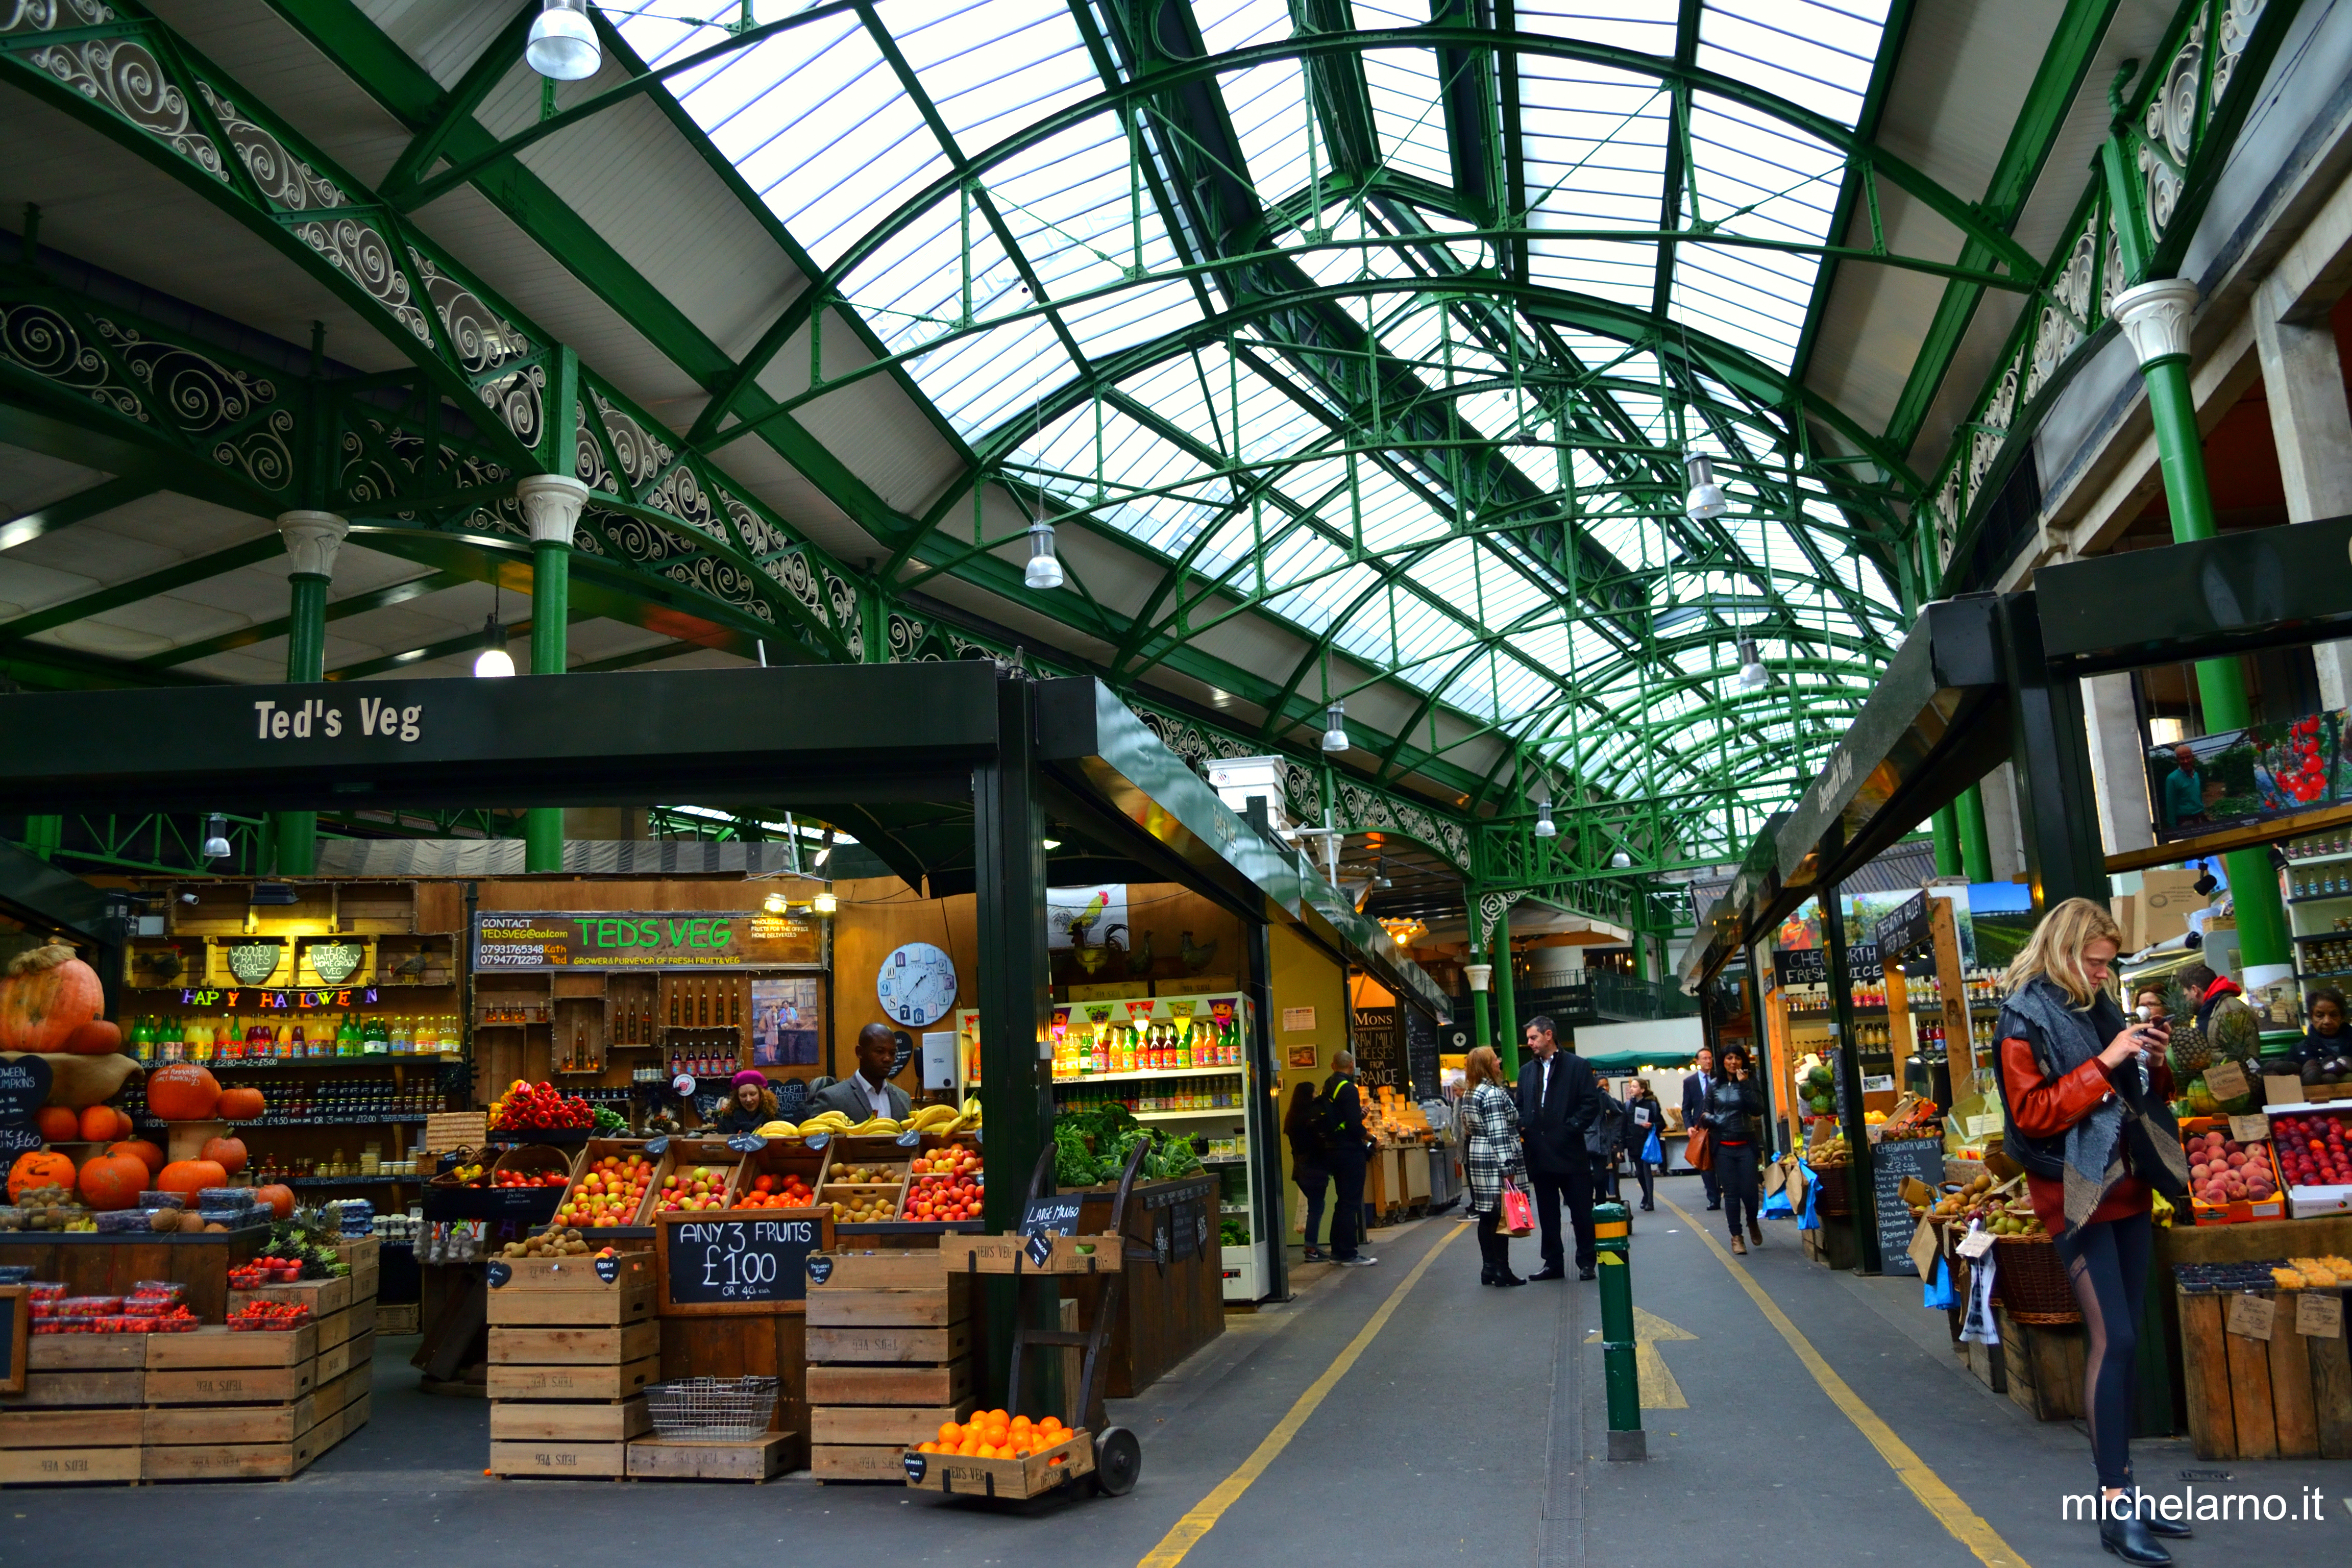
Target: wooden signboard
15,1336
1960,1032
737,1263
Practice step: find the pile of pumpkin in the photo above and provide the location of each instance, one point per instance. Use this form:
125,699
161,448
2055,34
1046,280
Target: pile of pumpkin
182,1091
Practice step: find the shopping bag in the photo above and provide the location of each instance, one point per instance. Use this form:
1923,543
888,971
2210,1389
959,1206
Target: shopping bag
1518,1215
1654,1152
1776,1200
1935,1293
1698,1153
1810,1216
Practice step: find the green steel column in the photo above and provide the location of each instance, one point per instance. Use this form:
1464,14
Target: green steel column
43,834
1946,826
551,504
1481,1027
312,541
1619,1347
2155,315
1506,1007
1976,845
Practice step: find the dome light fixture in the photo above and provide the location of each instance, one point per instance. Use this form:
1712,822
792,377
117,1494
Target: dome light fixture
1335,728
1621,860
493,662
1044,570
1753,676
775,904
1545,826
561,45
825,903
1706,499
216,838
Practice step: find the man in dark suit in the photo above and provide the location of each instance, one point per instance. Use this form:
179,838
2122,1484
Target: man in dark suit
1695,1088
1558,1100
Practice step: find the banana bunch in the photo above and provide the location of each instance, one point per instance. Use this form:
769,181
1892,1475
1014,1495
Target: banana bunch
876,1127
779,1129
940,1118
825,1121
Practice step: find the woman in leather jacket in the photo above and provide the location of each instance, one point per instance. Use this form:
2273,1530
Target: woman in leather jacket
1734,1110
2070,1062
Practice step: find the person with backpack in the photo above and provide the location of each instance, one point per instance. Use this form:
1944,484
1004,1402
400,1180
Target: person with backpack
1306,1167
1339,1121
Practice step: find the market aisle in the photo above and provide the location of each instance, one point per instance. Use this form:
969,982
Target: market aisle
1762,1451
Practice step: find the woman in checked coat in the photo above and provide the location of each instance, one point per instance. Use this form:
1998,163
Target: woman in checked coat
1490,1156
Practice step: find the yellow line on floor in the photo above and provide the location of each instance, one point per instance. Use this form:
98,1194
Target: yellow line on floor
1206,1514
1967,1527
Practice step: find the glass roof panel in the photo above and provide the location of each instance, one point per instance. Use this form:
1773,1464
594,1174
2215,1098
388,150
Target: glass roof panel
1406,506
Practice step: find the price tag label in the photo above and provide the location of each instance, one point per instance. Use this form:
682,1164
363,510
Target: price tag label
2248,1128
817,1139
820,1268
2251,1316
912,1137
2319,1315
1975,1244
2227,1080
656,1146
499,1273
747,1142
608,1269
918,1466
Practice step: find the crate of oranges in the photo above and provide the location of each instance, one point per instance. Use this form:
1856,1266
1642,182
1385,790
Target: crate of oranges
995,1455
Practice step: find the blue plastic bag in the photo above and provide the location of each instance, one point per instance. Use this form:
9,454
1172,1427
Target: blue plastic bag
1810,1219
1936,1292
1776,1205
1654,1152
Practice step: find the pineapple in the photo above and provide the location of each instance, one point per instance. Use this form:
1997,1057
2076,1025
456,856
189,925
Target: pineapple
2190,1054
2237,1030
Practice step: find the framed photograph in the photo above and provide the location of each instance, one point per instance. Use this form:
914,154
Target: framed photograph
1302,1056
787,1020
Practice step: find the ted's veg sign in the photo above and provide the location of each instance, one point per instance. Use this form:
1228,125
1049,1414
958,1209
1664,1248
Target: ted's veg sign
726,938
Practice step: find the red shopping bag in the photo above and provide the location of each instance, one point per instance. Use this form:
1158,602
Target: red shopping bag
1518,1215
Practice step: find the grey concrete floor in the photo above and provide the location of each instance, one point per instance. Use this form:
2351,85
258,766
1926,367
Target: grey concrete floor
1468,1430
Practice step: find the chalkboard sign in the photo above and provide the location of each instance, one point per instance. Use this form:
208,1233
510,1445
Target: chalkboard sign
791,1098
722,1264
1421,1053
1889,1164
15,1336
24,1085
1378,1040
1907,927
1189,1229
1800,966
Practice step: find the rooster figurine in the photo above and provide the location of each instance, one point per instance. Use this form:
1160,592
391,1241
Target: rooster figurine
162,964
409,968
1138,956
1195,958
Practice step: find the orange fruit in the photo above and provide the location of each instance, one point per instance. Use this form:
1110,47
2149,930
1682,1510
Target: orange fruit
949,1432
997,1418
926,1448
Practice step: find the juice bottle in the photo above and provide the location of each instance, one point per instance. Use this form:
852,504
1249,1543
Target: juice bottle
1184,1048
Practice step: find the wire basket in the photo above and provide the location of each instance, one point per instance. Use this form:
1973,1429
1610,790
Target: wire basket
712,1407
2032,1282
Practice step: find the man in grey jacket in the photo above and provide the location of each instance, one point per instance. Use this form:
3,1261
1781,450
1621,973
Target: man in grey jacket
869,1092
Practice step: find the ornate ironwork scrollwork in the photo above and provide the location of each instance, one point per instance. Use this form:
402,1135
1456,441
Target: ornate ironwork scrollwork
284,180
359,249
124,75
51,347
842,595
48,15
636,451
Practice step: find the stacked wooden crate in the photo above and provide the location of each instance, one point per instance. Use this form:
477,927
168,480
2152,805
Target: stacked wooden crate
573,1346
215,1404
343,1318
889,1353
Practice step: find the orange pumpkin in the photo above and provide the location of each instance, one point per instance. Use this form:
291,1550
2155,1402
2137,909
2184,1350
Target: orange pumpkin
240,1104
183,1091
228,1153
191,1176
113,1181
139,1149
98,1038
40,1168
46,996
57,1124
278,1198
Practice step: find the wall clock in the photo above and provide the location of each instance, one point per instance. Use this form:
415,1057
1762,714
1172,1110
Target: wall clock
917,985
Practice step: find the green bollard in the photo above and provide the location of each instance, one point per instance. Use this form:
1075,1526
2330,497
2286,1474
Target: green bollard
1613,1224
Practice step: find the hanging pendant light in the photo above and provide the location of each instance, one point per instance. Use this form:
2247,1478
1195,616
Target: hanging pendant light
1045,569
493,662
1707,497
1545,826
1621,860
1335,728
1753,676
561,44
216,838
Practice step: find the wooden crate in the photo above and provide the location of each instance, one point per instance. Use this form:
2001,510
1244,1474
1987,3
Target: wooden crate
231,1424
232,1385
941,1305
679,1459
564,1460
2043,1366
540,1421
593,1151
66,1466
363,1253
399,1318
837,1462
85,1352
75,1390
577,1273
575,1346
687,1153
216,1346
2287,1399
237,1461
929,1347
1832,1244
1010,1254
72,1428
357,1351
604,1383
1028,1478
901,1424
887,1270
890,1384
325,1298
613,1306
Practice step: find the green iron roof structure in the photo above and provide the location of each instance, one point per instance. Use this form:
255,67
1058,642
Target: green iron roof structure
1354,349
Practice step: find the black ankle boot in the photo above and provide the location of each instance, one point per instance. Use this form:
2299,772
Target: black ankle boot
2129,1539
1485,1276
1507,1278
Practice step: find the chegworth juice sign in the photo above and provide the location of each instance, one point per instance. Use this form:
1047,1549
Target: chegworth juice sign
579,939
